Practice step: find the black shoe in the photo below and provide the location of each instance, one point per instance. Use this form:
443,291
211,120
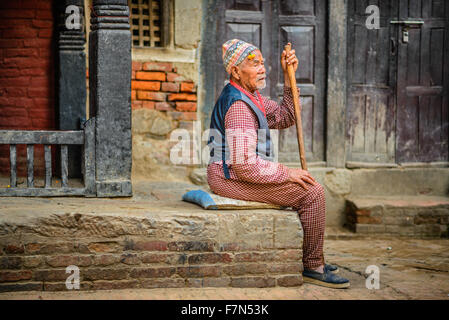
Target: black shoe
331,268
326,279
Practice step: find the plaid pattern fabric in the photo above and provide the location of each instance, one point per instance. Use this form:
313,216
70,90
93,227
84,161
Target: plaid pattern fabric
255,179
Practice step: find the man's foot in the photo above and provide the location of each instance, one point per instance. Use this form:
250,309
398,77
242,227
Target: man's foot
331,268
325,279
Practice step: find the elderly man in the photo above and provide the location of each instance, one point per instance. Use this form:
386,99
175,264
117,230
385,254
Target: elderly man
242,166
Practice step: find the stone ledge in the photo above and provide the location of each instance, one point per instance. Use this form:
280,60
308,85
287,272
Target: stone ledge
417,216
145,243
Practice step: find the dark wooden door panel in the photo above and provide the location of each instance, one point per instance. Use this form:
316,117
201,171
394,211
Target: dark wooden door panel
371,85
303,24
422,101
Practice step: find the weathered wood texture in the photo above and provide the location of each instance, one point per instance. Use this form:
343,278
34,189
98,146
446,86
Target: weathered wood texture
398,90
84,138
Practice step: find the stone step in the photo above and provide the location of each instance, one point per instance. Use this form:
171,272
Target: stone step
145,242
417,216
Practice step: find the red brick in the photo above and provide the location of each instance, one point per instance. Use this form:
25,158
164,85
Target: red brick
39,81
16,82
105,260
20,32
45,33
243,269
136,105
252,282
16,13
148,104
8,276
209,258
114,285
11,43
38,92
10,72
191,246
289,281
14,248
157,66
104,274
33,72
133,94
37,43
103,247
150,246
129,258
181,97
145,75
164,106
163,272
150,95
10,263
42,23
25,62
170,87
50,275
188,87
199,271
23,52
146,85
162,283
44,14
133,75
154,258
186,106
369,220
136,66
172,77
178,115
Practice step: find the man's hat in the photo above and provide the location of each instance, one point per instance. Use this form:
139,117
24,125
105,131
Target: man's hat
235,51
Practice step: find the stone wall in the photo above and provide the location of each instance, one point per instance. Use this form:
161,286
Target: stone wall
26,75
156,249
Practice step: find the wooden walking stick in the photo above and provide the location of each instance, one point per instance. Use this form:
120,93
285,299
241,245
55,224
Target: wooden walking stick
296,102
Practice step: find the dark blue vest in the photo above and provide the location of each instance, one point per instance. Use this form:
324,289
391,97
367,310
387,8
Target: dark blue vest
219,149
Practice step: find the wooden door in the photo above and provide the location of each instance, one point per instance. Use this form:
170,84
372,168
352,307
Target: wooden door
270,25
422,87
398,88
371,85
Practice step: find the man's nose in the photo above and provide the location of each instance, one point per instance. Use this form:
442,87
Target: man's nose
262,69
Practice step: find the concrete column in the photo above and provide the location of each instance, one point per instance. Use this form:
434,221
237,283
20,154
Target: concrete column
336,85
110,96
71,76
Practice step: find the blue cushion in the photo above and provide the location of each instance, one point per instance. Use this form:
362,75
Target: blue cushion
201,198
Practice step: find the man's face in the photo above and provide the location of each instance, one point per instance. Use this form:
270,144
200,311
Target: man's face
252,72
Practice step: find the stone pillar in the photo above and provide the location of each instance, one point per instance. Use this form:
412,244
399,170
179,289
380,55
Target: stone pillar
336,85
110,95
71,75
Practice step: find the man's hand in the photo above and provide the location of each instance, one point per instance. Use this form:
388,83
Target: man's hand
287,59
301,176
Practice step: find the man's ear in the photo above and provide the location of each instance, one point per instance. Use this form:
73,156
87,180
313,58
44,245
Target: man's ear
235,72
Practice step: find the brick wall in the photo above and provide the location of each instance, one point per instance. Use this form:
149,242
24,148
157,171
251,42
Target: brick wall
26,74
157,85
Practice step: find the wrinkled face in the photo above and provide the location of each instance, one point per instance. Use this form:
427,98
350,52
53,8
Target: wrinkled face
251,73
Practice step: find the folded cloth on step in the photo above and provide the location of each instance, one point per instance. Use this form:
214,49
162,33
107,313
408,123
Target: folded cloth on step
212,201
